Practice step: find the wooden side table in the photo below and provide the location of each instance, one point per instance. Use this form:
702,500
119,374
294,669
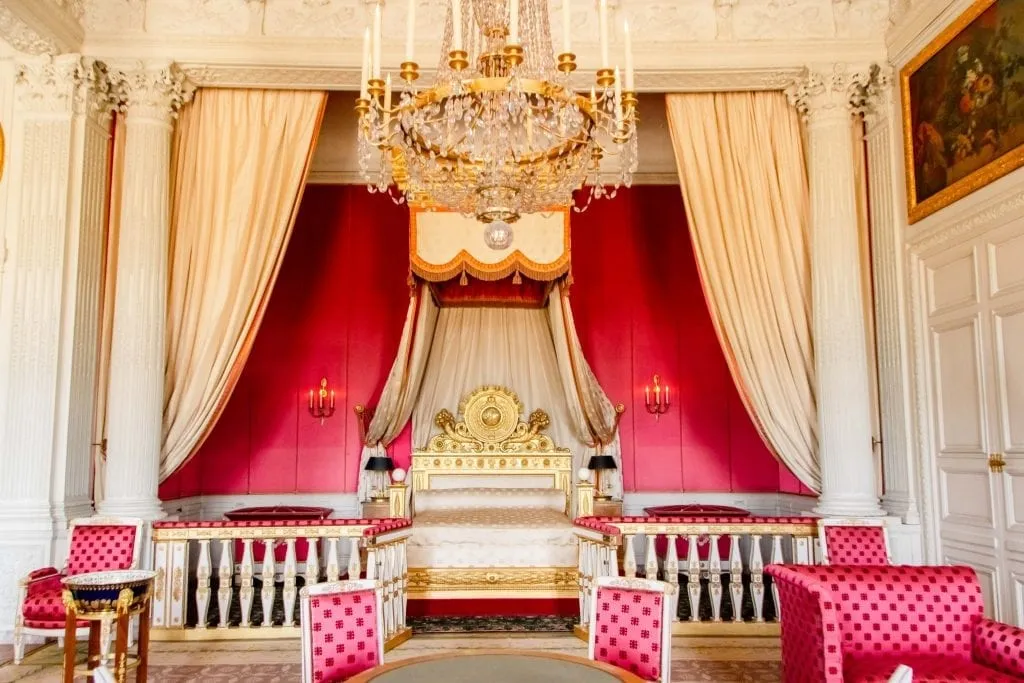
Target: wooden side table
377,509
106,599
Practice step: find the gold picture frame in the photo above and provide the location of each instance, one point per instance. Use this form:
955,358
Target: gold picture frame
963,107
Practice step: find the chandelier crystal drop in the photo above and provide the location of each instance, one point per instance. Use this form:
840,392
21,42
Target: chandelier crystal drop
500,132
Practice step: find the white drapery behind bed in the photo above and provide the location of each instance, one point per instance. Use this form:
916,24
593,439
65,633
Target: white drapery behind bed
534,352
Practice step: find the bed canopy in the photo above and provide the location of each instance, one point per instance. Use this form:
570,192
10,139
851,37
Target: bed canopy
489,305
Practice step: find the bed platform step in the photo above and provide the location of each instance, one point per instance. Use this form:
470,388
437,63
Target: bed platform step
510,607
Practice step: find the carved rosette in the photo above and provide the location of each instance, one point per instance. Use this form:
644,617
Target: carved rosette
154,92
836,91
67,83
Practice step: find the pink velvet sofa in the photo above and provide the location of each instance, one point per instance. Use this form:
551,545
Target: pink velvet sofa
857,624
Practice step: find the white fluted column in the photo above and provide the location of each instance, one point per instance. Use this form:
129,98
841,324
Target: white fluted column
52,208
151,96
828,97
888,220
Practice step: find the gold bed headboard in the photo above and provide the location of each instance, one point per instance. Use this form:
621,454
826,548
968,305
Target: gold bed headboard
491,439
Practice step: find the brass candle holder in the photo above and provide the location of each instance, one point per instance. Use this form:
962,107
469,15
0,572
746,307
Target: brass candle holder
458,60
567,62
513,54
375,86
606,77
362,106
409,72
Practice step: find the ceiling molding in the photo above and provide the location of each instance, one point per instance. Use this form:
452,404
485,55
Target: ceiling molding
918,25
40,27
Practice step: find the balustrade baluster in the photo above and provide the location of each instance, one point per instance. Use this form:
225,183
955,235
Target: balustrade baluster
777,558
582,580
757,577
403,584
736,577
715,578
672,574
629,561
203,571
312,574
225,581
693,577
651,558
801,550
333,572
355,569
291,569
269,589
245,591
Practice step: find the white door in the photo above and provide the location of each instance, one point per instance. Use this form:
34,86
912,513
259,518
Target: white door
967,494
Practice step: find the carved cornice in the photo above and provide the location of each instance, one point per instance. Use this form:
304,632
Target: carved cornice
68,82
24,38
982,215
156,91
837,90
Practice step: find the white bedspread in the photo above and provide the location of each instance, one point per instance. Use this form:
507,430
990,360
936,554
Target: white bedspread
492,537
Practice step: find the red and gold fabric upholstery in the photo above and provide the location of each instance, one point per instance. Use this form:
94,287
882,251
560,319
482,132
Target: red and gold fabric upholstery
842,623
343,634
856,545
97,548
629,630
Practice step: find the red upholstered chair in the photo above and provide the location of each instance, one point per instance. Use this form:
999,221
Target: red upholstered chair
844,624
854,542
631,626
95,544
342,629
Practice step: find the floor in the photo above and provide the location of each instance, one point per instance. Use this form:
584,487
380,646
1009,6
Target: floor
722,660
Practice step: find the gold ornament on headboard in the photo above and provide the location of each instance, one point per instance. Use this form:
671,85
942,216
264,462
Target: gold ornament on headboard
490,424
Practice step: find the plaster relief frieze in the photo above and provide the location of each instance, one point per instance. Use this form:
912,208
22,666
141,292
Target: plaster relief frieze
342,18
723,19
777,19
22,37
59,84
114,16
866,19
149,91
197,17
76,8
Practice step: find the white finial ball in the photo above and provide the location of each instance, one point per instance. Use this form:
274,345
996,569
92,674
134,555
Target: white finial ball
398,475
584,474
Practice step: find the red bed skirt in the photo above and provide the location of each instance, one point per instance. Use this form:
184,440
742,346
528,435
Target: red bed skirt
527,607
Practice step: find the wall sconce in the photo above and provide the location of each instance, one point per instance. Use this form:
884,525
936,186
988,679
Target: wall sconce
321,401
659,402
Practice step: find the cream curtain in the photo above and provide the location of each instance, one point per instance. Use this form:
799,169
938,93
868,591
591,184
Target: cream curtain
742,172
240,159
99,427
402,387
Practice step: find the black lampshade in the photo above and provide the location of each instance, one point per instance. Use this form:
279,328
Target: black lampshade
602,462
379,463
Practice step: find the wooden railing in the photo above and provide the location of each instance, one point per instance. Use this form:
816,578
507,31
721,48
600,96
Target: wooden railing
269,560
716,564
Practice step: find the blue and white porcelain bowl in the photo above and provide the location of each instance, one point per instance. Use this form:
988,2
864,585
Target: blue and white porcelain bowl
98,592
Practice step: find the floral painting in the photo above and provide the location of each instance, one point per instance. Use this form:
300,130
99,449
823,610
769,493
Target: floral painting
964,106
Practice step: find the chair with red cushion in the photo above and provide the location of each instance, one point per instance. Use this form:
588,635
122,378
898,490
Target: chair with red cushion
342,629
631,626
861,542
95,544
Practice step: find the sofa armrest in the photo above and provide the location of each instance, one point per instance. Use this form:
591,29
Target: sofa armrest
811,638
998,646
43,573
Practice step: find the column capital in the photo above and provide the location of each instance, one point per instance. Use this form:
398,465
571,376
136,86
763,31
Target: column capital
837,90
152,90
67,83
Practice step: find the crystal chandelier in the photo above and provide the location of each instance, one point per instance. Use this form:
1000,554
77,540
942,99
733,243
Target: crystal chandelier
500,132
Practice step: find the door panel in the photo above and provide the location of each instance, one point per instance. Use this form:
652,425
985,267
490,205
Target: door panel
1008,329
1004,258
952,281
988,571
959,387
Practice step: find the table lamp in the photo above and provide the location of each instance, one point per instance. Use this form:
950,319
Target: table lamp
380,463
598,463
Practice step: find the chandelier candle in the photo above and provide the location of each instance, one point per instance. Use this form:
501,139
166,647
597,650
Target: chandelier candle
410,31
363,84
602,22
500,131
629,57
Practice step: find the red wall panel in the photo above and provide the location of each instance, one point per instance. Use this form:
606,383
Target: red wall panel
337,311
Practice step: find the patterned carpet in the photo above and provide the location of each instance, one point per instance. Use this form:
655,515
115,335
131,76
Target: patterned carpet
718,660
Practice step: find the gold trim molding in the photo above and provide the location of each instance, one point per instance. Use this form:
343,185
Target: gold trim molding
453,582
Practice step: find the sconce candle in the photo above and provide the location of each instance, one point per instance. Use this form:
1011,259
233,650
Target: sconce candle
660,403
322,404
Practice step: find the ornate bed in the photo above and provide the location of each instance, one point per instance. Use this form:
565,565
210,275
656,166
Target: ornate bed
491,501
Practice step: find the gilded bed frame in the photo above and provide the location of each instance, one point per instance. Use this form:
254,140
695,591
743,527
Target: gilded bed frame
492,440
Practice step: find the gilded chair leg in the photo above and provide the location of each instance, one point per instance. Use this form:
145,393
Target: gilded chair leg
19,642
